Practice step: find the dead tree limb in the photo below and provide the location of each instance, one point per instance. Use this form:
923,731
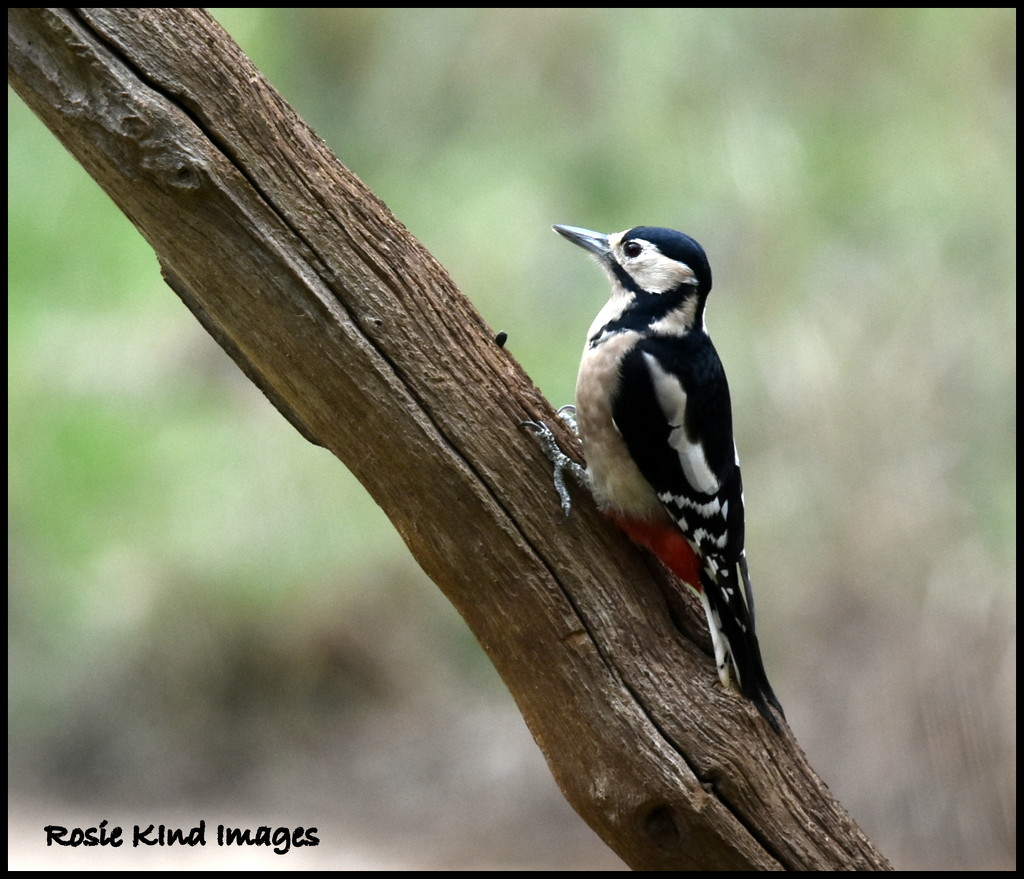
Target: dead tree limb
357,335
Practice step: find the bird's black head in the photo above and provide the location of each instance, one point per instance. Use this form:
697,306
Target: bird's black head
660,259
647,258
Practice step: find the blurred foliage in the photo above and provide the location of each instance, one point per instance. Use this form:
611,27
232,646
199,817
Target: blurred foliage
852,175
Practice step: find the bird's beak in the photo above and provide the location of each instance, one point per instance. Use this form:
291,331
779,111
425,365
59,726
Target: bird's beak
595,242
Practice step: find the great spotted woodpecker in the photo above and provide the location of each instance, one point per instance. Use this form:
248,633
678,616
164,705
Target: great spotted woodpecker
653,412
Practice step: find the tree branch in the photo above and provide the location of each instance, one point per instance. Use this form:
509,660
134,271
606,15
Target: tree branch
357,335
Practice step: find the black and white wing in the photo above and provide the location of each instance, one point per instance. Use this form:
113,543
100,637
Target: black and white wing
674,414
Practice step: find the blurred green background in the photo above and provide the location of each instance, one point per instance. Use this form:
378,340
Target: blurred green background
210,619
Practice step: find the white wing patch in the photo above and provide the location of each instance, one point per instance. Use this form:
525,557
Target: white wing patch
672,399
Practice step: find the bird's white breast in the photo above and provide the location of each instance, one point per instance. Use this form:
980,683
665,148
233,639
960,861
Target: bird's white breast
615,481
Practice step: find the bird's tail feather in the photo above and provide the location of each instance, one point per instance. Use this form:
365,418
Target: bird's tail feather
731,611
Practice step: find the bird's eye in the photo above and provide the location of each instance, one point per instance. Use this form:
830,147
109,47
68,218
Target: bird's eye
631,249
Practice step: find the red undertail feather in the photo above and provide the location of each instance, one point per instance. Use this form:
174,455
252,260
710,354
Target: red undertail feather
668,544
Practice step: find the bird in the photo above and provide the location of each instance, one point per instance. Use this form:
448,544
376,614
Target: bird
654,415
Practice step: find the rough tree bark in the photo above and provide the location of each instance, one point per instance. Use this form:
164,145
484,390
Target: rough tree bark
357,335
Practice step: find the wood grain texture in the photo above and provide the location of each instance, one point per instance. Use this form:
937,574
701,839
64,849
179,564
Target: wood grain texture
358,336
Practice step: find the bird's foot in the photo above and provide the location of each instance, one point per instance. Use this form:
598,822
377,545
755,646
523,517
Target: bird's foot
561,461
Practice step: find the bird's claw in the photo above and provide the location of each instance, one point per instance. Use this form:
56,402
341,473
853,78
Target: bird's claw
561,461
568,414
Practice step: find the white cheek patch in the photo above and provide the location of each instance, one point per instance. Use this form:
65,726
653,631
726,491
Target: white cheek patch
657,273
652,270
672,399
